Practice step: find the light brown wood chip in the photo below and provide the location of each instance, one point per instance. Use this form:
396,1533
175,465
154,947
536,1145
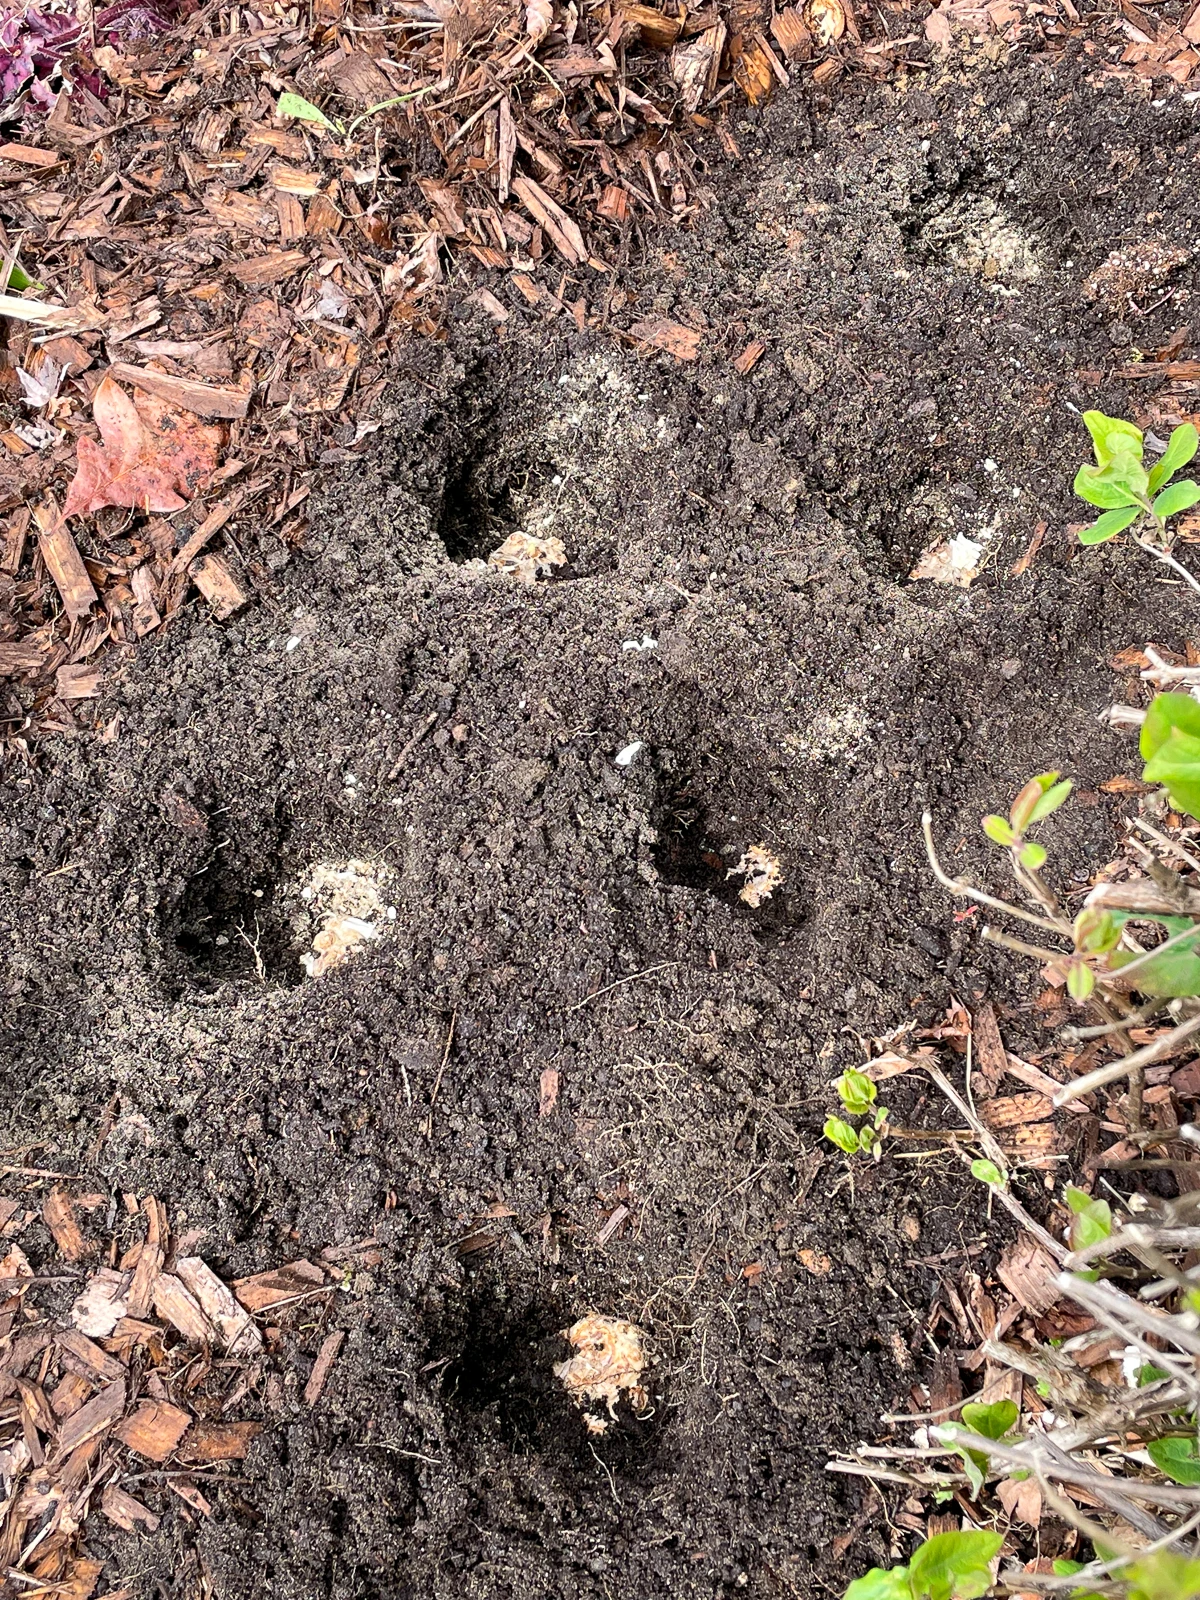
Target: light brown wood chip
326,1356
125,1511
154,1429
219,1441
58,1214
174,1304
92,1418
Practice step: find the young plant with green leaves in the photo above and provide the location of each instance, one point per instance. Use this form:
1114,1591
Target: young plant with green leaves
1125,490
950,1566
858,1096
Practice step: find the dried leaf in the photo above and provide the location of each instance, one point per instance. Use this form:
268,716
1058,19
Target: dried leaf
153,457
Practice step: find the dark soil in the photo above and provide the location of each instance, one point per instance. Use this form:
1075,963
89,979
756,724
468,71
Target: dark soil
556,910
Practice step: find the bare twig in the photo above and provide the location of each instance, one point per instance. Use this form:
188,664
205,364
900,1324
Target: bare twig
957,886
1169,560
1154,1051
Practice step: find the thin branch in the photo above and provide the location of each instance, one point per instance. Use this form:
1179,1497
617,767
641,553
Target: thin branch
957,886
1170,561
1127,1064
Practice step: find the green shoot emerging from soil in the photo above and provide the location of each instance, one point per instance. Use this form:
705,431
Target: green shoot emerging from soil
857,1094
1126,491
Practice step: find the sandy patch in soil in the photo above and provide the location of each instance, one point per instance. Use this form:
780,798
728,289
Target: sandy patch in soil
563,912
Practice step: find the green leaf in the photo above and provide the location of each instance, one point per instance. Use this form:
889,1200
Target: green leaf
302,110
1173,975
1177,1459
1149,1373
992,1421
1167,714
1054,797
1176,762
1081,980
987,1172
842,1135
1033,856
1177,497
1091,1224
1095,931
954,1566
998,831
1163,1576
1092,485
20,280
881,1583
856,1092
1067,1569
1109,525
1180,450
1112,436
1021,812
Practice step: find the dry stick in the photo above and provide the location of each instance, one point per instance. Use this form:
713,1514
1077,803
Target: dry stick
1170,561
1029,1456
1127,1064
1006,1198
437,1082
1152,832
957,886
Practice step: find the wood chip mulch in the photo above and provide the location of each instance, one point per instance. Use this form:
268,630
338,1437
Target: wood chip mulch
233,219
140,1397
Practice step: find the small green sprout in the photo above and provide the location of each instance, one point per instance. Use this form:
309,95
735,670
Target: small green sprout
950,1566
987,1172
1091,1220
992,1421
1038,799
1122,487
858,1095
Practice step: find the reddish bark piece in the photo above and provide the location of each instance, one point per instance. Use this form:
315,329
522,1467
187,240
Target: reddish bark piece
218,586
153,457
125,1511
326,1356
660,333
59,1216
202,399
220,1441
288,1283
991,1061
154,1429
548,1091
150,1259
749,357
63,561
92,1418
81,1356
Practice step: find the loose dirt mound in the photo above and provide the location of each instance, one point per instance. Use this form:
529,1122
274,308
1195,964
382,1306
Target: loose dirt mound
914,265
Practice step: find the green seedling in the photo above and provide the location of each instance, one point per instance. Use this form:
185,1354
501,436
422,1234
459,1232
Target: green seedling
992,1421
950,1566
1040,797
987,1172
297,109
1091,1221
858,1096
1122,487
1170,745
1163,1576
1171,970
